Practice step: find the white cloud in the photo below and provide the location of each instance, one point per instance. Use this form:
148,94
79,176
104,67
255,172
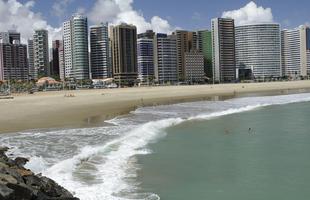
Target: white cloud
160,25
118,11
250,14
19,16
59,7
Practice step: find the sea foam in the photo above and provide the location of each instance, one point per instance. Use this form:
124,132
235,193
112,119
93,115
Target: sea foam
109,162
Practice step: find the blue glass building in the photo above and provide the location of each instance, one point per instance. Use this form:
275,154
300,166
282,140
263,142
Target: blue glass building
145,51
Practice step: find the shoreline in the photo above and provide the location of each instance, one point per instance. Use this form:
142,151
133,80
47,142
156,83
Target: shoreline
90,108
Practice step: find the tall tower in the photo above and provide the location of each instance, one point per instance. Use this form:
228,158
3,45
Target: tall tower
124,54
33,73
295,44
80,56
186,42
165,58
41,52
223,50
61,57
67,49
204,45
13,61
4,38
99,52
55,60
9,37
308,49
146,56
258,49
75,37
14,36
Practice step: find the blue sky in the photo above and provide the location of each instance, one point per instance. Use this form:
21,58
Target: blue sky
162,16
193,14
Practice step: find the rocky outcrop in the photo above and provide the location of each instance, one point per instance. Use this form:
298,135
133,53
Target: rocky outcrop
19,183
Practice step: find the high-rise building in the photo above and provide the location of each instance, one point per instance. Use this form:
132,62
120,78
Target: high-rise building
146,56
41,52
14,36
4,38
13,61
308,62
294,52
223,50
61,57
75,38
204,45
165,58
308,50
194,66
67,44
33,73
186,41
149,34
9,37
124,54
258,48
55,70
99,52
80,56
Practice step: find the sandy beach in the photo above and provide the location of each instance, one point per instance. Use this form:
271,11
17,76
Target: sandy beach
92,107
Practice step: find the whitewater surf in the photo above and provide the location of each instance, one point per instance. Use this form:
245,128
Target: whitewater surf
99,163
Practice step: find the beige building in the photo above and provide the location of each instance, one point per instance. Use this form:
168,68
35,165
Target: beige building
223,50
194,66
294,52
186,41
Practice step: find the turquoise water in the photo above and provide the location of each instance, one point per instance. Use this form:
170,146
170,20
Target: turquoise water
194,151
221,159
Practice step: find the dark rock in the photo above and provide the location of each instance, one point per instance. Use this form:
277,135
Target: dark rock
48,187
3,157
20,162
12,172
21,192
18,183
42,196
3,150
3,165
5,178
5,192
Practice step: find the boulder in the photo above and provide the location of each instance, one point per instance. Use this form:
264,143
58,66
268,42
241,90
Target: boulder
19,183
5,192
21,192
20,162
5,178
3,150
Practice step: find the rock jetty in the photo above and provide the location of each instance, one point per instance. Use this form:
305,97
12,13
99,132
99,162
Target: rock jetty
19,183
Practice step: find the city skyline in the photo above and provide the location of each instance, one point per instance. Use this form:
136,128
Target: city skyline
146,15
246,41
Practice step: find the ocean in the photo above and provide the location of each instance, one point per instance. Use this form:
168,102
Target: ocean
241,148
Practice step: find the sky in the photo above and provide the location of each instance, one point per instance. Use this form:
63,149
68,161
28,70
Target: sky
159,15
